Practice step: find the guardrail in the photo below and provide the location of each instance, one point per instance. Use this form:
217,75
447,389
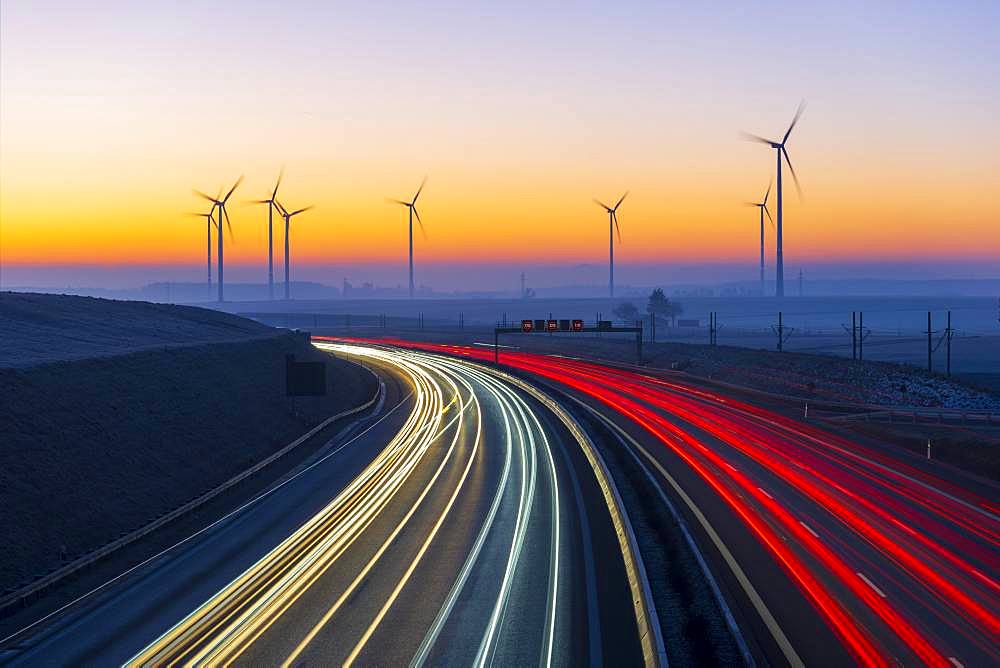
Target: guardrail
21,595
918,416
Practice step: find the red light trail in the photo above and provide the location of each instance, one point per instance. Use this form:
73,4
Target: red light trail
931,543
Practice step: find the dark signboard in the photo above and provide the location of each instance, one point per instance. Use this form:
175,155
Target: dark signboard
304,379
527,326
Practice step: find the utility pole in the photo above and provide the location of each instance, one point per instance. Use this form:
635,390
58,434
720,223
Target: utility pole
781,332
652,327
861,335
947,344
800,282
524,293
930,368
854,335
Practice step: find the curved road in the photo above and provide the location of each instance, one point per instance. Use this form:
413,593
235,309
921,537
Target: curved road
830,551
462,526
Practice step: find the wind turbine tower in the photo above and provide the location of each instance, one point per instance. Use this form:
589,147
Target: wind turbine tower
209,221
612,228
270,202
762,206
780,150
288,217
220,204
412,206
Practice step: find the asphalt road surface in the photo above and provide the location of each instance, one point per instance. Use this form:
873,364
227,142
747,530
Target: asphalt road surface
460,526
828,551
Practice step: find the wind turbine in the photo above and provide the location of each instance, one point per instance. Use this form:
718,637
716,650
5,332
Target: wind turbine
763,209
288,217
270,202
209,221
612,227
220,204
412,206
779,147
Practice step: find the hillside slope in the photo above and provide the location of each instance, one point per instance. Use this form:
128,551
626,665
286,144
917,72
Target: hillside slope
92,447
37,328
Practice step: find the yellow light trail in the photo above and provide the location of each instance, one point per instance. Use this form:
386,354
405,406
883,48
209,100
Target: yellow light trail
232,620
289,569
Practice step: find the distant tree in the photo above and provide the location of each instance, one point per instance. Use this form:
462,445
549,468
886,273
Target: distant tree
661,307
627,312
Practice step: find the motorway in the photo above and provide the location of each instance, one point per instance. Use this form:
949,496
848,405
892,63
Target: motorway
462,525
828,551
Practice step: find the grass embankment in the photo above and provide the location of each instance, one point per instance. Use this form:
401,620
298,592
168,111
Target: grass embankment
92,448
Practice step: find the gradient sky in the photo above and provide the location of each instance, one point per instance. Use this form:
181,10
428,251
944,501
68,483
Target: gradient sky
519,113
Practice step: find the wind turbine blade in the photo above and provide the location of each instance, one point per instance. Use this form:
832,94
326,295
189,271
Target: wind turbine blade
280,208
281,173
420,223
602,204
201,194
751,204
228,194
621,200
769,217
795,177
798,112
768,191
295,213
419,190
396,201
752,137
614,217
229,225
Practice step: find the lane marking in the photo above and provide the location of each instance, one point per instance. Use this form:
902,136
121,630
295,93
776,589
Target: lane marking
809,529
871,584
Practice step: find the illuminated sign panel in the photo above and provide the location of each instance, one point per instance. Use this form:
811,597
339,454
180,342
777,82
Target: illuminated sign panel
527,326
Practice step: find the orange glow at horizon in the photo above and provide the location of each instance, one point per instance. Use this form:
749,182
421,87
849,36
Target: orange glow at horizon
100,148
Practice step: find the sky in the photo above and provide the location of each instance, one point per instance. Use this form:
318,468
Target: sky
518,113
